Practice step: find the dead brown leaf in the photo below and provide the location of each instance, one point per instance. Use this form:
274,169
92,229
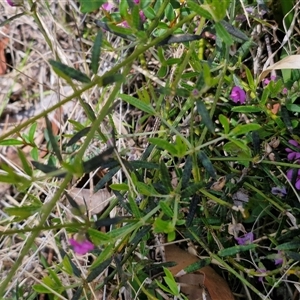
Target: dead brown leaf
95,202
3,44
289,62
199,284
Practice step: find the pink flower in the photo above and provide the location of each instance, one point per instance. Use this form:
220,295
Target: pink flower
108,6
81,247
289,175
238,95
136,1
266,81
293,155
246,239
142,16
284,91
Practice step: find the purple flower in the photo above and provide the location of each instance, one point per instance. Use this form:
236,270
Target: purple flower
289,175
14,2
284,91
261,278
238,95
278,258
81,247
293,155
136,1
279,191
245,239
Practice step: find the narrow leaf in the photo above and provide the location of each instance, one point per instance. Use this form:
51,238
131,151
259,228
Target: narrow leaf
68,72
289,245
192,209
199,10
205,118
52,139
44,168
77,136
236,249
98,161
96,52
207,165
26,166
235,32
286,119
223,34
225,123
244,128
187,172
138,104
164,144
98,270
11,142
246,109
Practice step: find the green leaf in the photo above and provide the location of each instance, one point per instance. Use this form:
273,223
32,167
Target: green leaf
289,245
98,270
225,123
293,107
105,179
199,10
170,281
205,118
31,132
22,212
134,208
165,176
207,164
26,166
223,34
246,109
163,226
52,139
286,119
235,146
138,104
146,189
98,161
197,265
164,144
106,80
244,128
11,142
192,209
216,8
77,136
44,168
250,79
236,249
98,237
119,187
235,32
166,209
96,52
264,96
91,5
67,72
